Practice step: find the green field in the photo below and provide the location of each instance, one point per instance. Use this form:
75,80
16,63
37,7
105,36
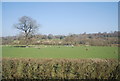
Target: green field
61,52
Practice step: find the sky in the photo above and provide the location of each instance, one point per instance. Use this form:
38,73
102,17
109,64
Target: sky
62,18
60,0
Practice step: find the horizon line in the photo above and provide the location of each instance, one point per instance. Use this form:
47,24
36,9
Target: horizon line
65,34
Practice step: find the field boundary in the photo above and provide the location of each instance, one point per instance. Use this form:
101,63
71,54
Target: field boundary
22,68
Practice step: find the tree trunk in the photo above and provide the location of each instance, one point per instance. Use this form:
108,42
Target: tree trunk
26,39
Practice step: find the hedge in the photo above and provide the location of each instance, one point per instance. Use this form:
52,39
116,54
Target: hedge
29,68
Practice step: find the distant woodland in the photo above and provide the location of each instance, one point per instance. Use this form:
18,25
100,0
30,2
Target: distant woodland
94,39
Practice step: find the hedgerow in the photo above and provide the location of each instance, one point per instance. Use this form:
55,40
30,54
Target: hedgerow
29,68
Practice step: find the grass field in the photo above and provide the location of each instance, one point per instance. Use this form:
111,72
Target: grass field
67,63
60,52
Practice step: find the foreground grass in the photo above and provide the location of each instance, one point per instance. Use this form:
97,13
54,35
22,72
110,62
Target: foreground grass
60,52
24,68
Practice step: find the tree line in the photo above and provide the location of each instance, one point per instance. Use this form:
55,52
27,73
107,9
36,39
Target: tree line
94,39
29,26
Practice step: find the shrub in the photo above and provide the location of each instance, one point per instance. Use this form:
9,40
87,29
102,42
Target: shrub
24,68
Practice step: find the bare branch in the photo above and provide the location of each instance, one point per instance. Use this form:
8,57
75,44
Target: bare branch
27,25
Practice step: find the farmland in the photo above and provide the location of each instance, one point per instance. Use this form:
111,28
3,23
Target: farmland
59,41
77,56
60,52
60,62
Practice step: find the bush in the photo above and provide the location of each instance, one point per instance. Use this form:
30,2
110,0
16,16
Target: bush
22,68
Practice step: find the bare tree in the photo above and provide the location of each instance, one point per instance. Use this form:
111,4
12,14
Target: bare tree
28,26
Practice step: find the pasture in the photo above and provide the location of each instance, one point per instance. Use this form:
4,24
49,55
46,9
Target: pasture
60,52
60,62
